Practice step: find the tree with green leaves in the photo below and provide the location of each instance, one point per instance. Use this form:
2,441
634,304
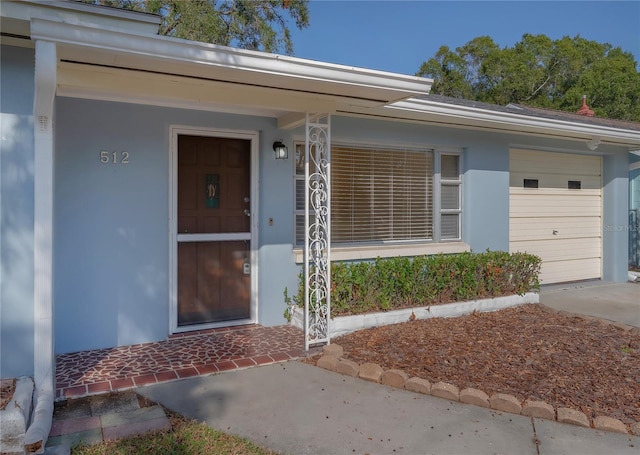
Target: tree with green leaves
248,24
540,72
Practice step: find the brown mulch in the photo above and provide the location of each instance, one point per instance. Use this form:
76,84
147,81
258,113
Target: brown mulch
7,387
529,351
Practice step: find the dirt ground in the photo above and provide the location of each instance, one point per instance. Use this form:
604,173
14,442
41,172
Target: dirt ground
529,351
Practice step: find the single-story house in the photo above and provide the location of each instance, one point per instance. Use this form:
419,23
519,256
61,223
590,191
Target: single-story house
152,185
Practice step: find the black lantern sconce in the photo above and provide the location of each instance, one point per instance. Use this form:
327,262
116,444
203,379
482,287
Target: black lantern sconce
282,153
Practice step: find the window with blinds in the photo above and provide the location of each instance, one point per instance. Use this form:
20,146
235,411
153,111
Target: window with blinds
450,197
377,195
381,195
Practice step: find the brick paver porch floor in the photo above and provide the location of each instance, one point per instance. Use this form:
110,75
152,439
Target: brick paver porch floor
181,356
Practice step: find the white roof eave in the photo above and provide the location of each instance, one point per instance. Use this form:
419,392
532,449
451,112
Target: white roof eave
516,122
121,49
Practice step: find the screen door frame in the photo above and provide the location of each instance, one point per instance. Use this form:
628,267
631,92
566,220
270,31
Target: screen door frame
254,138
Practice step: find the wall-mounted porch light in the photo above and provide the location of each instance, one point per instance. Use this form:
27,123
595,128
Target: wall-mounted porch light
282,153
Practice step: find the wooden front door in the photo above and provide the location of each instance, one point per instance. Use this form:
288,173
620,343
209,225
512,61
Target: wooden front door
214,230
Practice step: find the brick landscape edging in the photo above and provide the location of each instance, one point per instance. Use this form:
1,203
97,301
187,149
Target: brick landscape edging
332,360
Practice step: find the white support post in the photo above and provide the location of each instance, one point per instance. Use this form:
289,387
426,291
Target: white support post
317,259
44,377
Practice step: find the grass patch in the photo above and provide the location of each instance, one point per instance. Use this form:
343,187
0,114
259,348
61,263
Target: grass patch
187,437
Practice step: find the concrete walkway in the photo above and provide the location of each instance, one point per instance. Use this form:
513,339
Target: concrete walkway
619,302
296,408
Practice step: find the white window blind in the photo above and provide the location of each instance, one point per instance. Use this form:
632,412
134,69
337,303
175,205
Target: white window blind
381,195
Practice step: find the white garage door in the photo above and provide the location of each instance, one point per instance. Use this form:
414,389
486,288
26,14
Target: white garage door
556,212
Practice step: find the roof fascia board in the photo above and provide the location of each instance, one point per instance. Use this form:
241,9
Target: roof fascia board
386,87
465,124
536,124
21,12
76,6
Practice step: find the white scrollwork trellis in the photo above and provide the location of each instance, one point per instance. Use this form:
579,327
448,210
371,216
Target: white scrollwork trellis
317,264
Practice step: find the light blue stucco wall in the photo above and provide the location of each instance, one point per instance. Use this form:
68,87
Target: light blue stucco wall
112,221
615,216
16,211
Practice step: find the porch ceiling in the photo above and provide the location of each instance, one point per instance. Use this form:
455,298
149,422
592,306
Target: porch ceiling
115,64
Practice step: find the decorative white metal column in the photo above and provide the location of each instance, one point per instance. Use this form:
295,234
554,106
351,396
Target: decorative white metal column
317,263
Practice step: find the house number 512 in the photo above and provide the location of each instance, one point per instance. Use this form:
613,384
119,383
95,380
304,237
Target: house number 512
114,157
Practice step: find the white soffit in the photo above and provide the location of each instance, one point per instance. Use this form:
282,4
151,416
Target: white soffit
132,86
174,57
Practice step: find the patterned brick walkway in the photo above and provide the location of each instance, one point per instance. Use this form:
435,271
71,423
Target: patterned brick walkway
181,356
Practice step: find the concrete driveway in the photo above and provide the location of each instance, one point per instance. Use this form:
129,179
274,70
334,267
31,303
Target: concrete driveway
619,302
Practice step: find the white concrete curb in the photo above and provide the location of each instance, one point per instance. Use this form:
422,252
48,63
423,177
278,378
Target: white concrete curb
15,417
341,325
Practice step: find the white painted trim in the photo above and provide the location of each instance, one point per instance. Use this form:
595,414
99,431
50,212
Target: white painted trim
634,166
254,137
341,325
213,237
44,360
478,116
409,249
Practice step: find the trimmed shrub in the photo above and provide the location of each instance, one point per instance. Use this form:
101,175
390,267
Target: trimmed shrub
394,283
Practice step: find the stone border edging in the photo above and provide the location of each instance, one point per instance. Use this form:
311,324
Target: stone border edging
332,360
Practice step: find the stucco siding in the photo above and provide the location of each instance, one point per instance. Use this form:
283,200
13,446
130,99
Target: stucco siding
112,221
486,196
615,216
16,212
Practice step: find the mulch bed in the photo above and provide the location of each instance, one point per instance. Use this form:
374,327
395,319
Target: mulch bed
7,387
529,351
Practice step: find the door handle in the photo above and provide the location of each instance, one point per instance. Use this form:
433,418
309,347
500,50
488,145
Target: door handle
247,212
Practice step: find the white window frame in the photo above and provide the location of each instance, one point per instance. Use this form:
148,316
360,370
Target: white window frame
439,182
395,248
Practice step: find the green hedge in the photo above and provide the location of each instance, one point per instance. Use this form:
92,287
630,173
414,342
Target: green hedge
394,283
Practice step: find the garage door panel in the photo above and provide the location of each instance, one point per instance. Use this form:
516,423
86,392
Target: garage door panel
571,270
558,205
560,250
554,181
574,252
543,228
551,211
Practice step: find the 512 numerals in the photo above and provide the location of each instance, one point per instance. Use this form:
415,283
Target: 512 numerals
114,157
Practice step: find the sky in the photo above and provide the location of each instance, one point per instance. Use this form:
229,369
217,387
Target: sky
399,35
